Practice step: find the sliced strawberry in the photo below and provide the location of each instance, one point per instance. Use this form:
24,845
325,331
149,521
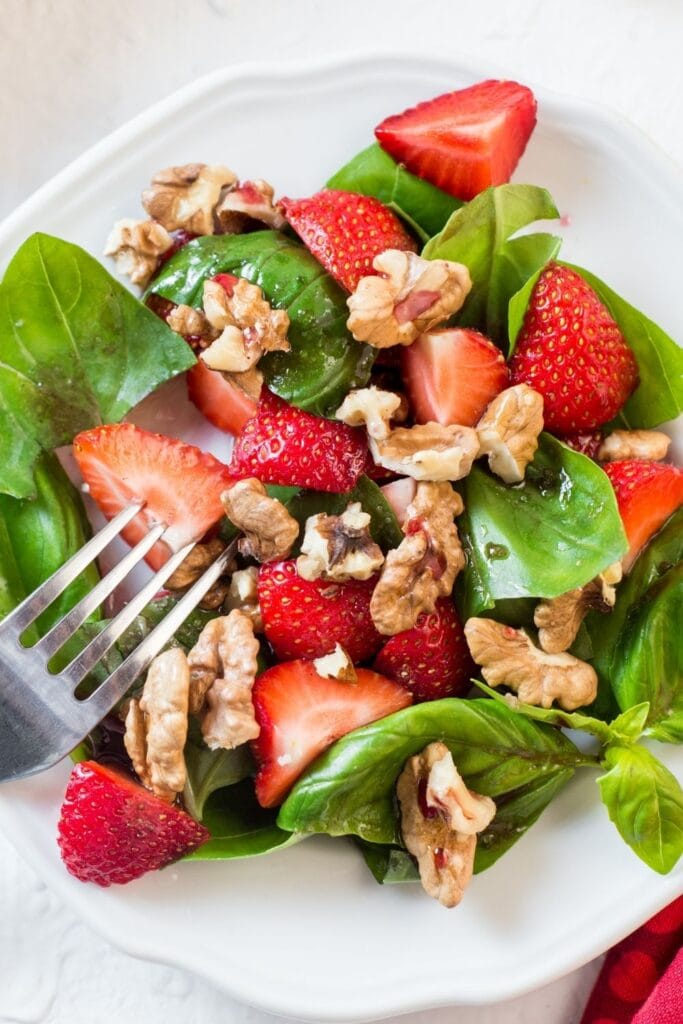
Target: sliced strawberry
223,403
451,375
399,493
301,713
647,494
587,443
111,830
345,231
466,140
305,619
571,351
180,484
285,445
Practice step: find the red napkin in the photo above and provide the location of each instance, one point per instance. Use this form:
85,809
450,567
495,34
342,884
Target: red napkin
641,981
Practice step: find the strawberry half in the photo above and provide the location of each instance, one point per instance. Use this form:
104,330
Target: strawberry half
572,352
466,140
111,830
301,713
285,445
224,404
587,443
432,659
647,494
345,231
180,484
306,618
451,375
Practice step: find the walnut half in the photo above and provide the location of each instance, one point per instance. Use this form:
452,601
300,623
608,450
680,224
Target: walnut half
339,547
634,444
269,529
246,325
373,409
186,196
136,245
509,429
428,451
558,619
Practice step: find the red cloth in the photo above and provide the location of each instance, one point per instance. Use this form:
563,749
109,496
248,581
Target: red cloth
641,981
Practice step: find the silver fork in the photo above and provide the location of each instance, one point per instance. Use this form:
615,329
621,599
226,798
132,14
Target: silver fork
41,718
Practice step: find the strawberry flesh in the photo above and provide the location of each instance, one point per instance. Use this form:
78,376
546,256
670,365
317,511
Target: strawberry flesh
223,403
647,494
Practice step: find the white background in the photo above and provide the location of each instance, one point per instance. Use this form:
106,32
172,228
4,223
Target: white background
72,70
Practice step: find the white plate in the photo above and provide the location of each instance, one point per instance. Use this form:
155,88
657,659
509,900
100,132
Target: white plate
306,931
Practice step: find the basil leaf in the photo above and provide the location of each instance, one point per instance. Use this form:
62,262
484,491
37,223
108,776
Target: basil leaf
384,526
517,308
239,827
645,802
325,361
210,770
423,206
77,350
479,235
388,864
350,788
187,634
555,531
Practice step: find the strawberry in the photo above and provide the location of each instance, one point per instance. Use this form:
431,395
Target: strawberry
180,484
111,830
587,443
223,403
285,445
301,713
432,659
466,140
571,351
345,231
647,494
400,493
451,375
305,619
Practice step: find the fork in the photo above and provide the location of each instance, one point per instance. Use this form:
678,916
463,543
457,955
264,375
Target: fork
42,717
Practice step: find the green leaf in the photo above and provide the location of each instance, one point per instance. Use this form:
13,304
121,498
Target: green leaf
555,531
479,235
517,308
77,350
388,864
239,827
383,522
210,770
645,802
325,361
350,788
629,725
372,172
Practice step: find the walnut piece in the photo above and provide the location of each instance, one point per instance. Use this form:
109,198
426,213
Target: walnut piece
373,409
407,296
269,529
339,547
440,820
243,595
249,204
508,656
191,568
187,320
508,431
428,451
424,566
186,196
156,725
634,444
247,323
336,665
136,245
558,619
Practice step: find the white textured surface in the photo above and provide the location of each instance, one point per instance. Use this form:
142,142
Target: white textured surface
70,72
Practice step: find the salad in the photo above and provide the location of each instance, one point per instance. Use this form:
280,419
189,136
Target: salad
459,537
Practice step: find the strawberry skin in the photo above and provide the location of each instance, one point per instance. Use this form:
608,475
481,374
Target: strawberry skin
305,619
285,445
301,713
222,402
463,141
588,443
451,375
180,484
345,231
432,659
572,352
112,831
647,494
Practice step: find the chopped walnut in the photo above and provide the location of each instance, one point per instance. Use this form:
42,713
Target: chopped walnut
243,595
247,323
192,567
336,665
634,444
558,619
156,725
428,451
339,547
440,820
408,296
136,245
424,566
508,656
508,431
269,529
185,197
373,409
249,205
187,320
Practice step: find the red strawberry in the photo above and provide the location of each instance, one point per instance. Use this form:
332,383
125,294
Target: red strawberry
345,231
432,659
180,239
587,443
400,493
466,140
111,830
647,494
302,713
285,445
223,403
571,351
180,484
305,619
451,375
